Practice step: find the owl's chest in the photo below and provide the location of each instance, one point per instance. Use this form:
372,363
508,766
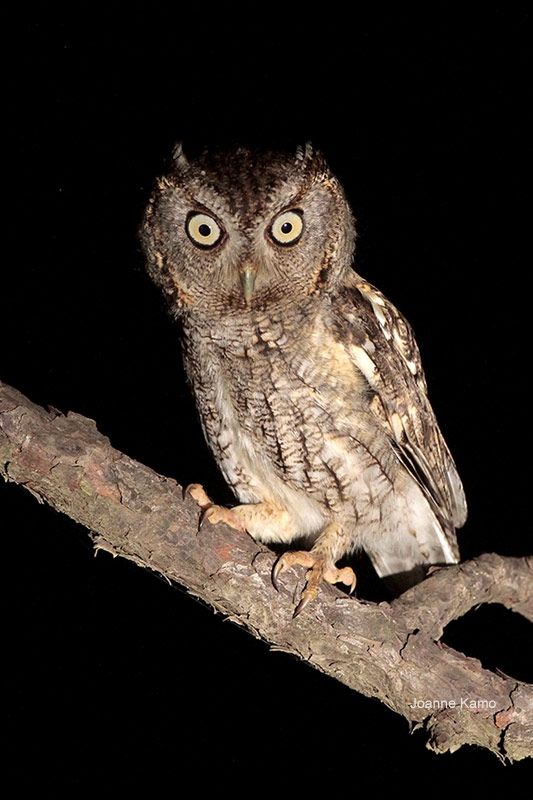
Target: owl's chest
260,409
284,416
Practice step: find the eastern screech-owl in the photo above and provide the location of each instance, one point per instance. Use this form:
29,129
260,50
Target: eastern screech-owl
307,380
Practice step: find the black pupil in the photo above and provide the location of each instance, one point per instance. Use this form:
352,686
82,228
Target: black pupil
286,227
204,230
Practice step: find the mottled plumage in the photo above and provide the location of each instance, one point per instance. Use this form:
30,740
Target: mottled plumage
307,380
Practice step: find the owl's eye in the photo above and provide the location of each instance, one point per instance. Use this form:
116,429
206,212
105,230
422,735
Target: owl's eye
203,230
287,227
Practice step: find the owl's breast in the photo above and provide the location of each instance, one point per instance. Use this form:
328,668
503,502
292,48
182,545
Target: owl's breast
292,421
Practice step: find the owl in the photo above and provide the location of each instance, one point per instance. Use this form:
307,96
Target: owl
308,381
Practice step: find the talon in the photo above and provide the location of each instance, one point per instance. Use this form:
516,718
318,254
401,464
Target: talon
216,514
319,568
307,596
203,516
347,576
277,569
289,559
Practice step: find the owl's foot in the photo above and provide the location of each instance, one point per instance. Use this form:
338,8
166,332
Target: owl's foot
210,511
319,568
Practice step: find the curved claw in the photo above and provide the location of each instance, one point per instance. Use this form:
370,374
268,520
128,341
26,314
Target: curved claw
215,514
199,495
277,569
307,596
347,576
202,517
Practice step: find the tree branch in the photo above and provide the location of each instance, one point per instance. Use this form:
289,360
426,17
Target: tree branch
389,651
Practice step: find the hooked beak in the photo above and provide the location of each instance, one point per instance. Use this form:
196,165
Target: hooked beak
248,276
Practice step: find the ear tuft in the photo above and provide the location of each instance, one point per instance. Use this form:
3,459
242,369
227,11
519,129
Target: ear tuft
304,153
180,159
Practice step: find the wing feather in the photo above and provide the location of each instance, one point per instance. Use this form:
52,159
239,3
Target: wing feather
384,348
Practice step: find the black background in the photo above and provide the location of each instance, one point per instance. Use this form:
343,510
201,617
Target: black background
114,676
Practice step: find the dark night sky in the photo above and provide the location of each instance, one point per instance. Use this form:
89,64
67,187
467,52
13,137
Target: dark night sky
425,121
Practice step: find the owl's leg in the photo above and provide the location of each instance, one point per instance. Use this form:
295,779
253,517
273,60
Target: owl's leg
320,562
263,521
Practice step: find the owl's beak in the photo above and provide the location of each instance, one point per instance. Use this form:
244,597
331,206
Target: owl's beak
248,275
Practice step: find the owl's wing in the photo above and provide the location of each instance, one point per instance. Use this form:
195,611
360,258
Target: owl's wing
383,347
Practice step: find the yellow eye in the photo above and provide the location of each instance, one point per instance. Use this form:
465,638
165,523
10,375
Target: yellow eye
203,230
287,227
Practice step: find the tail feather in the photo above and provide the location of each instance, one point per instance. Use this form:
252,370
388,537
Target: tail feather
402,556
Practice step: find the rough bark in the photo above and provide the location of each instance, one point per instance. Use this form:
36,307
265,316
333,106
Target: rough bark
388,651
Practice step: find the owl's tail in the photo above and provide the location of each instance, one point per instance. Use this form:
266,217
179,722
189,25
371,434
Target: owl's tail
402,556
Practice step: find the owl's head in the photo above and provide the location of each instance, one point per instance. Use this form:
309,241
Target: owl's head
232,231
